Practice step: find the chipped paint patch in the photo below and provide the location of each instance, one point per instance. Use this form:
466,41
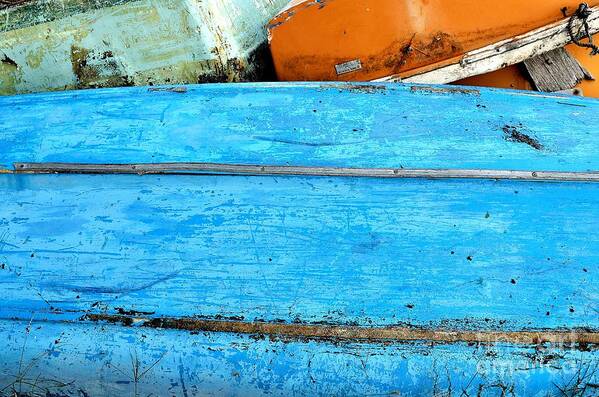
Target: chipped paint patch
357,87
514,134
9,75
180,90
444,90
97,69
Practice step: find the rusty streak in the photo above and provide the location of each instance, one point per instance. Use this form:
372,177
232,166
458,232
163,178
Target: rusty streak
356,333
275,170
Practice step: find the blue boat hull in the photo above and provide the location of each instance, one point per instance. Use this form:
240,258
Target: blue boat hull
184,284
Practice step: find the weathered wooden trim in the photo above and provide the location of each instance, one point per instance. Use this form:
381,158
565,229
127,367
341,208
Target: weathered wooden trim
499,55
271,170
556,71
356,333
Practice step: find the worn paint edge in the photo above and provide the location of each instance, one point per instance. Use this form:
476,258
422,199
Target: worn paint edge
566,338
272,170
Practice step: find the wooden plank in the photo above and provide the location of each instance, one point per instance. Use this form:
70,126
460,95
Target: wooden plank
501,270
490,255
312,124
280,284
499,55
555,70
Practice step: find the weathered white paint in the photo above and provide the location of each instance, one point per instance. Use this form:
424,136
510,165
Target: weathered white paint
138,42
501,54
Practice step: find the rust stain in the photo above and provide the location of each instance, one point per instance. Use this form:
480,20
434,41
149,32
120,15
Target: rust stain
81,69
417,53
399,56
445,90
97,69
569,338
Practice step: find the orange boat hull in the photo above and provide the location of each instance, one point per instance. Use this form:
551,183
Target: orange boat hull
362,40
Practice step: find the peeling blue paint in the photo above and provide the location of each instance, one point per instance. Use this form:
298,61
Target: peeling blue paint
263,123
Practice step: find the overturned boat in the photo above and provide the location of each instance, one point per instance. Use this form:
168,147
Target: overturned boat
512,44
277,239
58,45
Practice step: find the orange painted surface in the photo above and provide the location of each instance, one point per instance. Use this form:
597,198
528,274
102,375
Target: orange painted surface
310,37
511,77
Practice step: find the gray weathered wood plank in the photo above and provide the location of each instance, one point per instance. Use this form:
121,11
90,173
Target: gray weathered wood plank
555,70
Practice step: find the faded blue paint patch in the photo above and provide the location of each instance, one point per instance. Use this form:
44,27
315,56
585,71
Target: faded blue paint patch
487,253
278,124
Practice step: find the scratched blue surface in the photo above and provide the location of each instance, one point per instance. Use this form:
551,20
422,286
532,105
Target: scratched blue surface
318,249
307,124
177,364
457,254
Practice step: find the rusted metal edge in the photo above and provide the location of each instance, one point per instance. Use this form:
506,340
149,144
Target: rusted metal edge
356,333
272,170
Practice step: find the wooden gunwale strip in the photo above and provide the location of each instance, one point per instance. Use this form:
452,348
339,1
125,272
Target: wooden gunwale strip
274,170
356,333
